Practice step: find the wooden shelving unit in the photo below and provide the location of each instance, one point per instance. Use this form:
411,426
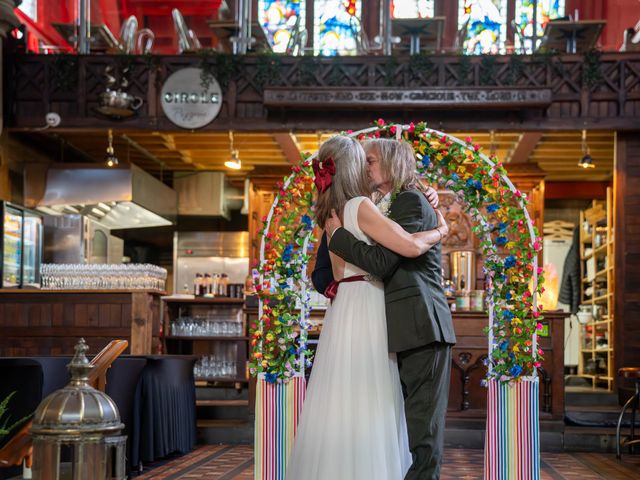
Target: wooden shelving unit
598,285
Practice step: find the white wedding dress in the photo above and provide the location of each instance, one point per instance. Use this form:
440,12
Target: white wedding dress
353,424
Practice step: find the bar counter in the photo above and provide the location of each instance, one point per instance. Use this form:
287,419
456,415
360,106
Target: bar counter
49,322
467,397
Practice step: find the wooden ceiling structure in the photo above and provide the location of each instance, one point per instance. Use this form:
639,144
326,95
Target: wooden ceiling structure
557,154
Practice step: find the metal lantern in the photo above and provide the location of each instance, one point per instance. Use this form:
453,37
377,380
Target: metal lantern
76,430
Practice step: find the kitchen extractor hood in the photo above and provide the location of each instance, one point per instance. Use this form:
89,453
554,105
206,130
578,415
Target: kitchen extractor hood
209,194
123,197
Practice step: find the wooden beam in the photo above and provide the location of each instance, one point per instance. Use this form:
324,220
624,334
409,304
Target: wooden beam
525,147
288,146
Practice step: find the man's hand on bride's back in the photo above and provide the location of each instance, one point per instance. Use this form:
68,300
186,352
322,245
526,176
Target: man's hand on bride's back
432,197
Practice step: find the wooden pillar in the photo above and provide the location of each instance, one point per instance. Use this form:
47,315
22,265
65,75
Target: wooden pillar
627,252
8,21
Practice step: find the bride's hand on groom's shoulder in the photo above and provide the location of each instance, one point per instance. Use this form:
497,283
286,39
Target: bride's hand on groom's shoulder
332,224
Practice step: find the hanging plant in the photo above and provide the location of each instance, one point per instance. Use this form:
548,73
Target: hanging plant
509,242
591,72
220,66
64,72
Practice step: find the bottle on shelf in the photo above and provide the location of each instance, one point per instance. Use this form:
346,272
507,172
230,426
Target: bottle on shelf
206,286
197,284
224,285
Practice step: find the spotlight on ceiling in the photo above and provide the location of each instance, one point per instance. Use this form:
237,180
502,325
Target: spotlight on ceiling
586,161
110,158
234,162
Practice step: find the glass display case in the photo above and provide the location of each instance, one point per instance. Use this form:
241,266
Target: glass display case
21,247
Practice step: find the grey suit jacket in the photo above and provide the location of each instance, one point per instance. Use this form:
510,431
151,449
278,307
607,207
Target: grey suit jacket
416,306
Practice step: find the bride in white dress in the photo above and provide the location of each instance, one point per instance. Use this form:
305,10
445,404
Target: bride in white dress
353,424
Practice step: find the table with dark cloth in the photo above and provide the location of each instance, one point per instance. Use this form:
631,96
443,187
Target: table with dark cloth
167,408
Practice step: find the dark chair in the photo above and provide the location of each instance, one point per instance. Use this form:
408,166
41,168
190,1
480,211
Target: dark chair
55,373
632,403
123,386
24,377
167,408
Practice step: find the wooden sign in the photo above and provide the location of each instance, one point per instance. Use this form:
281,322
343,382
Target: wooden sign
422,97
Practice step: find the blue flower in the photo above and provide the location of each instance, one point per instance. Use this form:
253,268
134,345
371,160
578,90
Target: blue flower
478,184
307,222
492,208
509,262
286,254
502,226
508,296
271,377
454,176
426,161
501,240
292,351
516,370
471,183
507,314
504,345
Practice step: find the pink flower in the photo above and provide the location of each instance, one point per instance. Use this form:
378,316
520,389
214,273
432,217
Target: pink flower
540,352
518,194
349,132
537,364
536,314
537,246
380,122
468,140
538,326
476,147
412,128
392,129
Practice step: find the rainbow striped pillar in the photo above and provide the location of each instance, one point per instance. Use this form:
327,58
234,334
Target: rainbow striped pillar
512,444
278,408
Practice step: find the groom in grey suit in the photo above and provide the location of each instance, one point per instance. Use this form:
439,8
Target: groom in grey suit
419,324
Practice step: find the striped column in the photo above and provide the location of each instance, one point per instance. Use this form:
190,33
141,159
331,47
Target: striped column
278,407
512,443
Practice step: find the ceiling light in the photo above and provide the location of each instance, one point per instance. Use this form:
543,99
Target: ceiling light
110,158
234,162
586,161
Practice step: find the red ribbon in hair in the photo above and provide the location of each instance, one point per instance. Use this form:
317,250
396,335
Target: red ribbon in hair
324,171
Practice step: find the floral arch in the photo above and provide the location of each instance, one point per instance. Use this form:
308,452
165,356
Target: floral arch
509,242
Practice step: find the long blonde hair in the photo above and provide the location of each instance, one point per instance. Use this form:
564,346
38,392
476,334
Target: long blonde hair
397,162
350,179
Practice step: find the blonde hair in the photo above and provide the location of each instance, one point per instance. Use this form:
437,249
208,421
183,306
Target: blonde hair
350,179
397,162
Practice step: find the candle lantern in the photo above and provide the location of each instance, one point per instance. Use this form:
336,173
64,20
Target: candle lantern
76,430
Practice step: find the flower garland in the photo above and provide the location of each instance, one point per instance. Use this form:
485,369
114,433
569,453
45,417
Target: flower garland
509,243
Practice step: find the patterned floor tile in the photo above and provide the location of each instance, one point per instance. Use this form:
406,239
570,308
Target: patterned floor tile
225,462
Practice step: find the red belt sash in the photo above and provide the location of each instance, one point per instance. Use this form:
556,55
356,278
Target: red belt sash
332,290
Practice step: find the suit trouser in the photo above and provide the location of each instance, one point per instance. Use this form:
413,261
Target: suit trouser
425,373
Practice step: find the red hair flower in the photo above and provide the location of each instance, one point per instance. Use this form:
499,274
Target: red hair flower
324,171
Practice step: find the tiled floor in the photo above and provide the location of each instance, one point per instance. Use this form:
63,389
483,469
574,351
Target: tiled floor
223,462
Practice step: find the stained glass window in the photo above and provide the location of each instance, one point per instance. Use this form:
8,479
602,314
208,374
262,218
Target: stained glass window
412,8
278,18
336,24
526,28
30,7
485,22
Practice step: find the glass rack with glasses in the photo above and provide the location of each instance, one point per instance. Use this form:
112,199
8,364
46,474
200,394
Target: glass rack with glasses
213,329
221,363
94,276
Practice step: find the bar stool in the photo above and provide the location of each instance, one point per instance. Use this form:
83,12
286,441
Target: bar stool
634,373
